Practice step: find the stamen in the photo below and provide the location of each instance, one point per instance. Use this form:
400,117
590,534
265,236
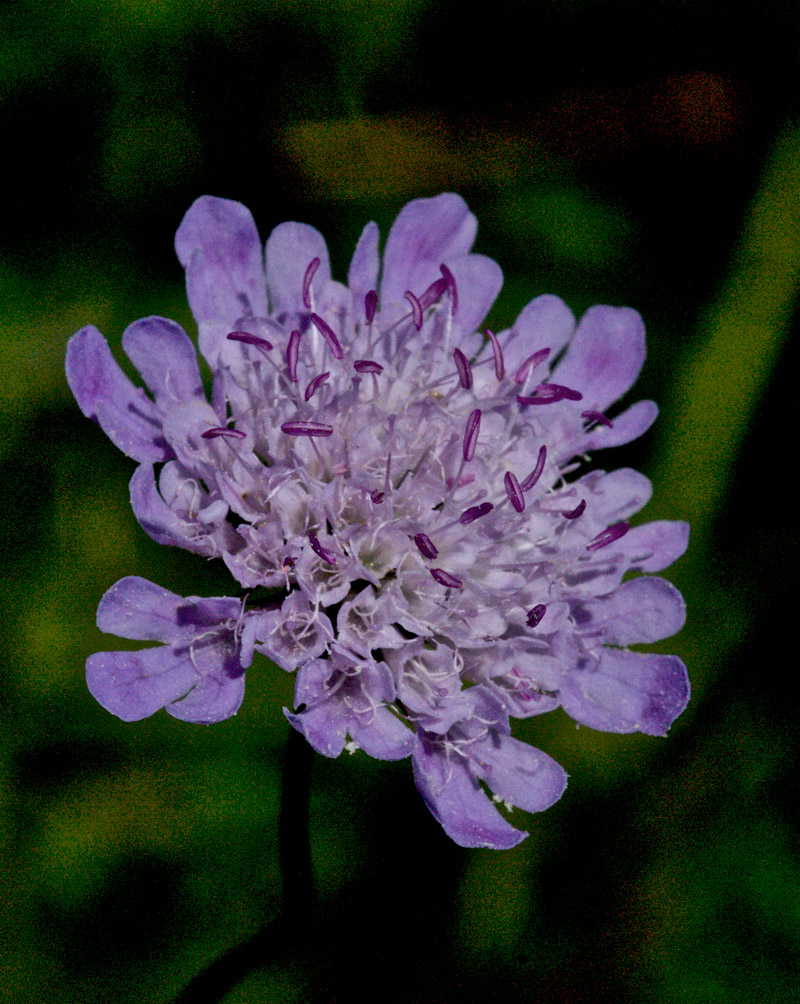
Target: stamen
306,429
292,351
370,306
452,289
535,615
416,309
550,393
367,366
608,536
436,290
377,496
221,432
319,550
315,384
475,512
576,512
499,362
463,367
514,491
426,546
248,339
328,334
307,278
593,416
536,473
530,364
446,579
471,434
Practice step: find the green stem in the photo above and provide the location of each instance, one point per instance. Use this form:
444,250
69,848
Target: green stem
280,935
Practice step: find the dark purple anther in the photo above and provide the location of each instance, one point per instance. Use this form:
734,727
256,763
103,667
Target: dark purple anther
377,496
598,417
313,265
514,491
221,432
499,362
536,473
319,550
452,289
436,290
446,579
315,384
416,308
306,429
328,334
248,339
426,546
608,536
551,393
527,367
535,615
292,351
471,433
577,511
475,512
370,306
464,369
367,366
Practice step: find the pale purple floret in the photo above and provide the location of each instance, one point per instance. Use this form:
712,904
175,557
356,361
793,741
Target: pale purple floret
346,696
413,493
449,767
197,674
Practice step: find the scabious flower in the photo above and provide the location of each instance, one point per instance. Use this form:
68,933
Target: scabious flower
412,493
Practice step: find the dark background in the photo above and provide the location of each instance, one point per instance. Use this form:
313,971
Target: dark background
628,153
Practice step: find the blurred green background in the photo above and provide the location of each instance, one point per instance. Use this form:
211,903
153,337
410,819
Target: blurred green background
640,154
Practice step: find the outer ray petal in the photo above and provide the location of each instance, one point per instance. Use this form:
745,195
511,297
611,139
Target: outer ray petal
163,353
125,413
627,692
426,233
291,247
138,609
134,685
457,801
218,244
363,274
605,356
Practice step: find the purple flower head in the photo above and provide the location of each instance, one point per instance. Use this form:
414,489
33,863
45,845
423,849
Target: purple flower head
413,492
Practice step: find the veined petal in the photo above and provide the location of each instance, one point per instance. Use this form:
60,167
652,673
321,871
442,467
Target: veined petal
518,773
291,247
125,413
324,726
632,423
457,801
605,356
621,493
381,735
215,698
138,609
478,280
627,692
426,233
640,611
165,356
363,274
652,547
134,685
218,245
544,323
158,520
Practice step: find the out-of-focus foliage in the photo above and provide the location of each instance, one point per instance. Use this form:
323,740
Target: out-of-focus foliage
613,152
